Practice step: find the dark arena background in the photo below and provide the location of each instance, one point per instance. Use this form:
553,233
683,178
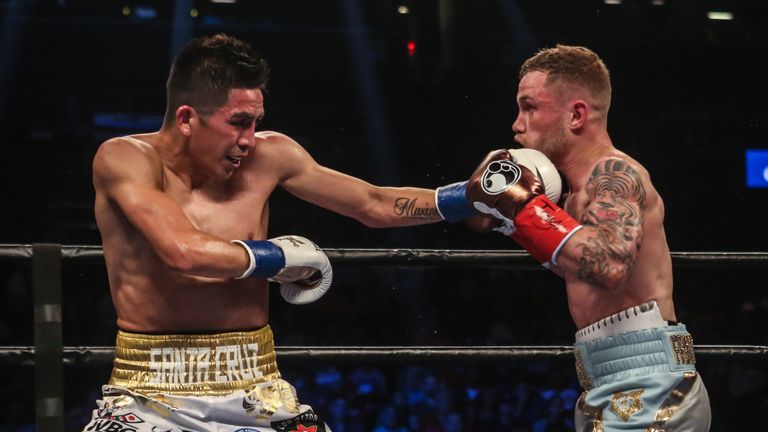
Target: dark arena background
398,93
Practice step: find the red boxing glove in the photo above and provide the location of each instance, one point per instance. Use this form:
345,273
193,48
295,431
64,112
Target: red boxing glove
542,228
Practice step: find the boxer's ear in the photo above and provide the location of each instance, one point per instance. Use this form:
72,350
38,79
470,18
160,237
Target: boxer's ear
579,112
184,115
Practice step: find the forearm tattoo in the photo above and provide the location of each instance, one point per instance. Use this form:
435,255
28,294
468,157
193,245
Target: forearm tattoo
617,197
412,209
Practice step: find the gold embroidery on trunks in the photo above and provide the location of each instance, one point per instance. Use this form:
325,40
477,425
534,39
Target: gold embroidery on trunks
626,404
122,401
263,400
193,364
682,348
673,401
290,399
581,371
595,414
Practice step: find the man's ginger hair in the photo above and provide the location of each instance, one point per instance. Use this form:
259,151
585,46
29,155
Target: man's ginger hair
574,65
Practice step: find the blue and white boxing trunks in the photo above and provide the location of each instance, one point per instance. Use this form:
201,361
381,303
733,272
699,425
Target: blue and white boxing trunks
638,374
225,382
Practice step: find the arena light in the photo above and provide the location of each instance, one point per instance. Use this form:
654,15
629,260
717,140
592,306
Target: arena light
720,16
145,12
224,1
411,45
613,2
757,168
403,10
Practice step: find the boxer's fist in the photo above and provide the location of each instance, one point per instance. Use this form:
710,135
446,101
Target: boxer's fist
302,268
520,188
506,180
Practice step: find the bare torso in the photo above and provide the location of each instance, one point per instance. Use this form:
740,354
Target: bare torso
149,296
650,278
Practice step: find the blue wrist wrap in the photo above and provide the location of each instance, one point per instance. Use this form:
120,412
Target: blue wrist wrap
269,257
451,202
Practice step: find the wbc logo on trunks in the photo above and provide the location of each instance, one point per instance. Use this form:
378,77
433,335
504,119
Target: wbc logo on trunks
499,176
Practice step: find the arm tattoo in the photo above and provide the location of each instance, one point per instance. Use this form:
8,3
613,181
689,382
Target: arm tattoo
407,208
616,212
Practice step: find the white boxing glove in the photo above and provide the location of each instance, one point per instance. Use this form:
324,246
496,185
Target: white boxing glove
302,269
540,165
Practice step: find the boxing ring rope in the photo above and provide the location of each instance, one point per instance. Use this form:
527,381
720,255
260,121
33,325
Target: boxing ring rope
102,355
517,259
49,356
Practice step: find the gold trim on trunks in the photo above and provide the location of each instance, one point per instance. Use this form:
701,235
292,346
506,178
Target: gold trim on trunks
581,371
682,348
194,364
626,404
673,401
595,423
263,400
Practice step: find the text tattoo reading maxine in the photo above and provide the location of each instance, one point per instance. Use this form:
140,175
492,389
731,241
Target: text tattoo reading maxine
407,207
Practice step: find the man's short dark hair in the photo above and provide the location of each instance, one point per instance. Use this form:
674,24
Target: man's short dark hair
207,68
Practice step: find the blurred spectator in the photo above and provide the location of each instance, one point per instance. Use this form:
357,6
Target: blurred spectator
556,418
389,420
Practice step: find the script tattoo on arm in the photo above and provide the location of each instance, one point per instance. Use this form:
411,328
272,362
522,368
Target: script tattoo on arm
408,208
617,203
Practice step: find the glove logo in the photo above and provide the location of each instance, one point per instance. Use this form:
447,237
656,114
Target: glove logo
499,176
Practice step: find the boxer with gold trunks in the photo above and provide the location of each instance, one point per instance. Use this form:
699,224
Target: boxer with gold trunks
607,242
221,381
183,215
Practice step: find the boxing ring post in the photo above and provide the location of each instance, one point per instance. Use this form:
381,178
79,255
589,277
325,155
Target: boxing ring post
48,336
49,355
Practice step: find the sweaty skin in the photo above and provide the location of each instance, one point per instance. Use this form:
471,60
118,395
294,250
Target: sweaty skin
623,239
169,202
621,257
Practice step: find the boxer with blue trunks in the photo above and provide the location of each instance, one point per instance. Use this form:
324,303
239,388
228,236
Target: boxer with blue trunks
636,370
605,238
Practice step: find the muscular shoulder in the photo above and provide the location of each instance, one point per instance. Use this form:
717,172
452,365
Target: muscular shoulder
128,146
619,178
270,141
127,157
280,153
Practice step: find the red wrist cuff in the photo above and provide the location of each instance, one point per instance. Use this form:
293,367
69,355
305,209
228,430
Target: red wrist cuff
542,228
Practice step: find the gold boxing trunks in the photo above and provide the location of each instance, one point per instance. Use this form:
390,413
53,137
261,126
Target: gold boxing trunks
221,382
194,364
